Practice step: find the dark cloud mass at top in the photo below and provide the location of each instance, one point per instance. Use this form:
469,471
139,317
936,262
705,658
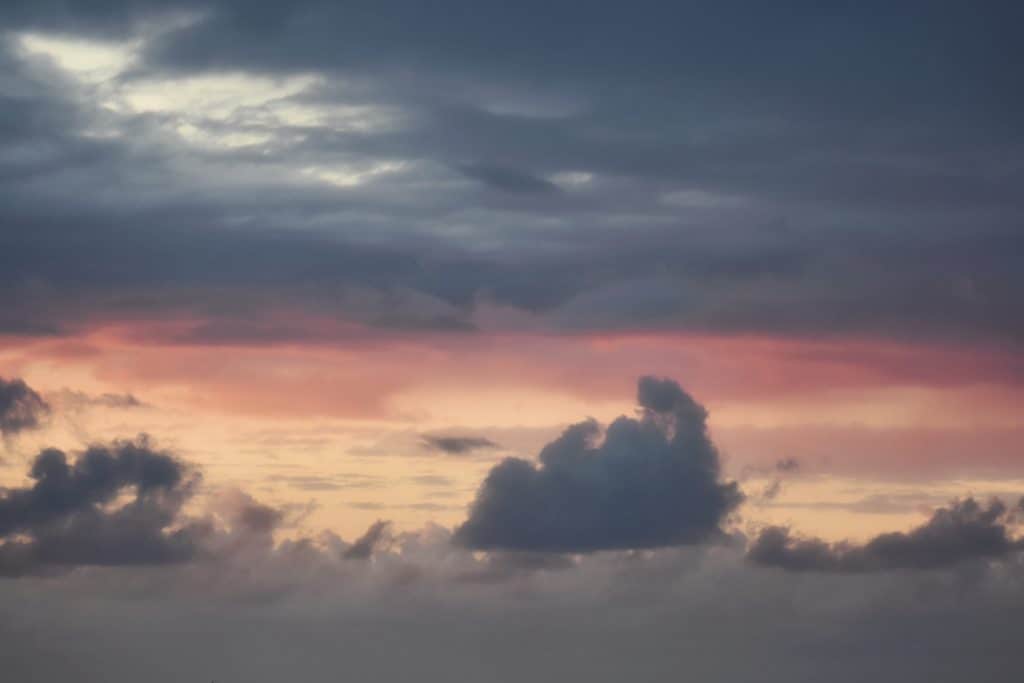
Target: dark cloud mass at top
848,170
649,482
21,407
257,173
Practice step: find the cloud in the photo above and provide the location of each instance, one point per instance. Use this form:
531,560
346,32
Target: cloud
70,399
21,407
257,517
508,179
605,617
772,490
84,180
362,548
72,514
457,445
782,468
962,532
787,465
505,566
651,482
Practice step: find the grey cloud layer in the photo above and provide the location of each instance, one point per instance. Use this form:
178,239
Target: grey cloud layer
643,616
842,172
651,482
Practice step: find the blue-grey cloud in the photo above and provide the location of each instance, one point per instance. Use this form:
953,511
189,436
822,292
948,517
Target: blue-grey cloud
651,482
69,517
630,169
21,407
963,532
508,179
363,547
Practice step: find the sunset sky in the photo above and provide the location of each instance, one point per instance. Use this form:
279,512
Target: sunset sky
494,341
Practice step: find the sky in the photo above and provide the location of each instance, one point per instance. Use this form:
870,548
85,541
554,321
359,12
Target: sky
468,341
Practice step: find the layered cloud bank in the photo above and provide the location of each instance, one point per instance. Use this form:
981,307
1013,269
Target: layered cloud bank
107,544
411,180
361,268
642,483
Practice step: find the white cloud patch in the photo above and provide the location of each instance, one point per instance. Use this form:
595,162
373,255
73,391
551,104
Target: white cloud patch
89,61
207,111
352,175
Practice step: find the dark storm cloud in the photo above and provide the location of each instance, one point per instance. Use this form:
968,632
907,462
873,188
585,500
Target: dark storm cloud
651,482
508,179
457,445
962,532
362,548
67,517
847,171
21,407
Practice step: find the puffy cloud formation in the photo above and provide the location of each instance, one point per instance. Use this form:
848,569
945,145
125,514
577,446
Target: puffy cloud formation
71,514
362,548
651,482
964,531
253,516
122,504
457,445
21,407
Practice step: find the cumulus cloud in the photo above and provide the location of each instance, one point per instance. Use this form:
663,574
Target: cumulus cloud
21,407
362,548
651,481
964,531
257,517
72,514
508,179
457,445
